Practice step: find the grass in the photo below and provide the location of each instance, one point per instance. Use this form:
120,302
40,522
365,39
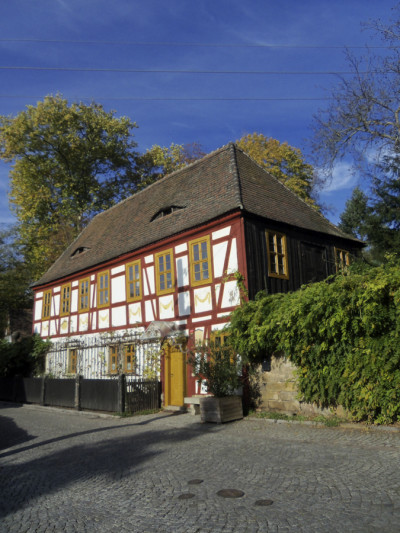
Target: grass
329,421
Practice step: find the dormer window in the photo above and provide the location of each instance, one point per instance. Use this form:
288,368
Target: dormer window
79,251
167,211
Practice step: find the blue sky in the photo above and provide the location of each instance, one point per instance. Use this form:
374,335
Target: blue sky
203,35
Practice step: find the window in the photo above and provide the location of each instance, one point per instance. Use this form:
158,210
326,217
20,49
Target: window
165,272
113,359
84,291
133,281
72,360
218,338
342,259
200,265
277,255
46,304
103,289
65,299
129,359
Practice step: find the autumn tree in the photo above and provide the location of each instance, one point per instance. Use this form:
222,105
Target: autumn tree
282,161
69,162
158,161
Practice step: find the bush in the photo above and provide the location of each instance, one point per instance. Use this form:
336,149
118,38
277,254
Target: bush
23,358
343,334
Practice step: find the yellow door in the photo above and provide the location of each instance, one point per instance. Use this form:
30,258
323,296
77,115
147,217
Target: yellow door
175,372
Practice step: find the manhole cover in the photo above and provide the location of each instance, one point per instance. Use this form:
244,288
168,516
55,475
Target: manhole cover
230,493
195,482
264,503
186,496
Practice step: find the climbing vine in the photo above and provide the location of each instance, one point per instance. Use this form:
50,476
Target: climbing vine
343,335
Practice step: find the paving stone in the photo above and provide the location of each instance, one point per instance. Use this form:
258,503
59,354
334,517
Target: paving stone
81,473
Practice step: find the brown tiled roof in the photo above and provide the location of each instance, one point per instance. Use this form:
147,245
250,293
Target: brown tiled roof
221,182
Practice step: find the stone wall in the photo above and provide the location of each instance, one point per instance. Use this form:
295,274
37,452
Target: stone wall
279,392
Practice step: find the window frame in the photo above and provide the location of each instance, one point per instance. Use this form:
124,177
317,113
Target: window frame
64,300
193,263
128,281
113,351
105,290
275,254
167,290
344,258
131,353
80,307
72,361
46,306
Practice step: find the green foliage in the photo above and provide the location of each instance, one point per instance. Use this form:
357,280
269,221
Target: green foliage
282,161
15,278
218,366
23,358
343,335
69,162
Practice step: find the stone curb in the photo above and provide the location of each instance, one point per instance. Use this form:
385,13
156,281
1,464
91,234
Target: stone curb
349,425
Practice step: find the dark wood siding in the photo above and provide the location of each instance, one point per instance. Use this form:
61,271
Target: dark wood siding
310,256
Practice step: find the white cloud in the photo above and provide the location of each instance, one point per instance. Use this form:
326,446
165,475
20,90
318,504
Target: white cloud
343,177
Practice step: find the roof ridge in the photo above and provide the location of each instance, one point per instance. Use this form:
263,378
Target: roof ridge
296,195
167,176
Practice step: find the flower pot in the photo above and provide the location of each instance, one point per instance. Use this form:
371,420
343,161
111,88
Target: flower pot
221,410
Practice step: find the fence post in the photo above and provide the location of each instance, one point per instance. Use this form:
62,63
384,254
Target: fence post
78,380
43,391
121,393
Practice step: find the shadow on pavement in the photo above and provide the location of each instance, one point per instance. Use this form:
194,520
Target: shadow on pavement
114,458
11,434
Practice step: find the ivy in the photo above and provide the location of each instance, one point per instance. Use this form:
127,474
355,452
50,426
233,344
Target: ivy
343,335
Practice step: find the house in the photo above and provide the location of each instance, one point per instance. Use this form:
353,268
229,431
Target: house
161,265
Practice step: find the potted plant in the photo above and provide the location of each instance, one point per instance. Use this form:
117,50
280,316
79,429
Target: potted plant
219,367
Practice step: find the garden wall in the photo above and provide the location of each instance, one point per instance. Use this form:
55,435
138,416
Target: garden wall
279,392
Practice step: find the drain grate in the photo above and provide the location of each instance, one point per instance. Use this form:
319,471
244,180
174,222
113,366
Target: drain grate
230,493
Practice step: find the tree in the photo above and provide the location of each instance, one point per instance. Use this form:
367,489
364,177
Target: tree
363,117
376,219
282,161
159,161
69,162
14,279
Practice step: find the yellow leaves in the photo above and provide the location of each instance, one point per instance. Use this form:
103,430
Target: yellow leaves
282,161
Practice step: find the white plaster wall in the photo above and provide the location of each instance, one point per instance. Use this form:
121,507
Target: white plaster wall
73,326
38,309
181,248
219,253
84,322
118,316
184,303
182,271
224,232
202,299
74,301
55,305
118,293
231,295
149,310
233,259
135,313
166,307
104,318
64,323
118,269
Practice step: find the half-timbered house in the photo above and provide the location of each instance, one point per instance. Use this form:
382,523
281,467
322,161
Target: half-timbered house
160,266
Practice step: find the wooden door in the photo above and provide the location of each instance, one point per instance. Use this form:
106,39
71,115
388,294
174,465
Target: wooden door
174,374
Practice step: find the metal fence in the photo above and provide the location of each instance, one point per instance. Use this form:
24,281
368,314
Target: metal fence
110,395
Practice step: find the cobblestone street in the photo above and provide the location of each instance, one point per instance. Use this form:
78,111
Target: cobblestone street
77,472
